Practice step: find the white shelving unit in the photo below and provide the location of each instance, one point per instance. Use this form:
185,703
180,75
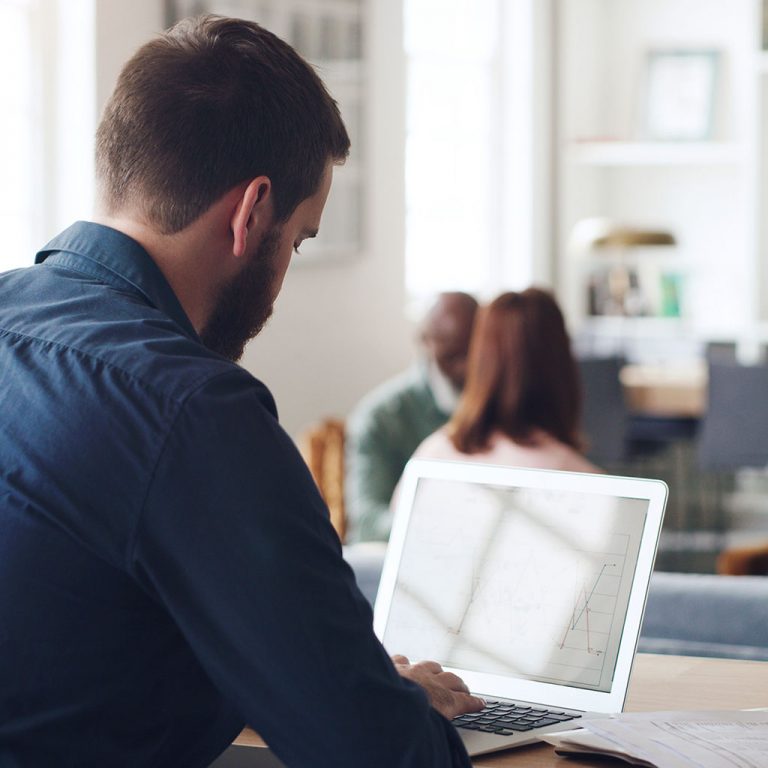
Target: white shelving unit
654,153
708,193
761,60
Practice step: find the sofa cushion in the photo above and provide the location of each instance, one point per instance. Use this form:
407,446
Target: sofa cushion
706,615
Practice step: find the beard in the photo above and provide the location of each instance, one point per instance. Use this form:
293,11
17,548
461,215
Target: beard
245,303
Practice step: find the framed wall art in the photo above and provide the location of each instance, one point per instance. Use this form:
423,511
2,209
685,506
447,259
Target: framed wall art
680,95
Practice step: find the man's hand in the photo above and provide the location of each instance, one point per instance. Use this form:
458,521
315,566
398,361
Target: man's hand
447,692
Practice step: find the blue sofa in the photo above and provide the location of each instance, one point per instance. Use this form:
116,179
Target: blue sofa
696,614
689,614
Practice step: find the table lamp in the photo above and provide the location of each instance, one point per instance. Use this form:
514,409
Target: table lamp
618,294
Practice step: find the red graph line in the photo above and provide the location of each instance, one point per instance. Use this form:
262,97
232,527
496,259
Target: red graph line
585,609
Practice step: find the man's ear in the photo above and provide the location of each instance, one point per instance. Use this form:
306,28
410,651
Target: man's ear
253,211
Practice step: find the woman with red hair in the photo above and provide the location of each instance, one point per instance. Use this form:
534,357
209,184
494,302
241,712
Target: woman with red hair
521,403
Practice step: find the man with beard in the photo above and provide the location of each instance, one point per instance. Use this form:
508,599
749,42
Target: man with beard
168,571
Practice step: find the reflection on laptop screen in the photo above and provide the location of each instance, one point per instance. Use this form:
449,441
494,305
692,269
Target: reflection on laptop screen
536,587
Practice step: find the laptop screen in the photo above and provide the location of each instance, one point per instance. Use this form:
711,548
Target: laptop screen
528,582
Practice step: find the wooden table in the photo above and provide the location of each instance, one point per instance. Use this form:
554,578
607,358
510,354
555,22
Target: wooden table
673,390
658,683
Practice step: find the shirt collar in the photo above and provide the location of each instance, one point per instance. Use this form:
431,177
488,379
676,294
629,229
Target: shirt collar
118,260
445,395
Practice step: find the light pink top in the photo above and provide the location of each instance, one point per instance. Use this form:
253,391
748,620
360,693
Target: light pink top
545,453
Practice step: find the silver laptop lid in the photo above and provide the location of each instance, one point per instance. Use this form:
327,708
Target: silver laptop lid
530,584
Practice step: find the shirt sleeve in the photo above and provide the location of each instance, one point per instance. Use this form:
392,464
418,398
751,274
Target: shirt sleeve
373,470
236,542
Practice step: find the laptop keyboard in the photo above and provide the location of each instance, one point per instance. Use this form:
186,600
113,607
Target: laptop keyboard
507,717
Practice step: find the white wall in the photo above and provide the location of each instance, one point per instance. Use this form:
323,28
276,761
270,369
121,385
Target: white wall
120,29
339,328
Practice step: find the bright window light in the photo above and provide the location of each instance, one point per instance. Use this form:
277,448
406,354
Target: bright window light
46,132
478,196
20,133
452,110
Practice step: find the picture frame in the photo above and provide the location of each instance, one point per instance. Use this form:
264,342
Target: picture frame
680,94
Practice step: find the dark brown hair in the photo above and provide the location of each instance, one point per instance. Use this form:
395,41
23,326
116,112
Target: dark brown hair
521,375
209,104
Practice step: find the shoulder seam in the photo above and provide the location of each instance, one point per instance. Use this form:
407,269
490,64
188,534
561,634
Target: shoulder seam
88,356
131,546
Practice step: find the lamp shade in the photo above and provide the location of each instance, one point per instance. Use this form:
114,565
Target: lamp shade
606,233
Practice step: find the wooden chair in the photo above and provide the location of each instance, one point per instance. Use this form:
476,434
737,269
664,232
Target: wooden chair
744,561
322,446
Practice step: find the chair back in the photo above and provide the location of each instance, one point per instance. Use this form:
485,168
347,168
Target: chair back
604,413
744,561
734,432
322,446
721,352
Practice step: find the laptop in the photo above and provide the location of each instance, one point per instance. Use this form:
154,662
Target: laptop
529,584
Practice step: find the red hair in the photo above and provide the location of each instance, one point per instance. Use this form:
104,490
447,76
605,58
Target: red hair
521,375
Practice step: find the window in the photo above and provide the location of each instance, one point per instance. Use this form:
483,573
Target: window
451,51
475,131
46,143
20,134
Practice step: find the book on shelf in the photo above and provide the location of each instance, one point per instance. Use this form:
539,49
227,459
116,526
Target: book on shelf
628,291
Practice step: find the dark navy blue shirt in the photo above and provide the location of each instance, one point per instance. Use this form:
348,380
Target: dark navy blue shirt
168,571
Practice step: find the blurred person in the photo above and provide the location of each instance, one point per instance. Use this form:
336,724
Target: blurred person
389,423
168,570
521,404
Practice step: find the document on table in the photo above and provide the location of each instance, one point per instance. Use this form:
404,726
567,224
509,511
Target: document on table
708,739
